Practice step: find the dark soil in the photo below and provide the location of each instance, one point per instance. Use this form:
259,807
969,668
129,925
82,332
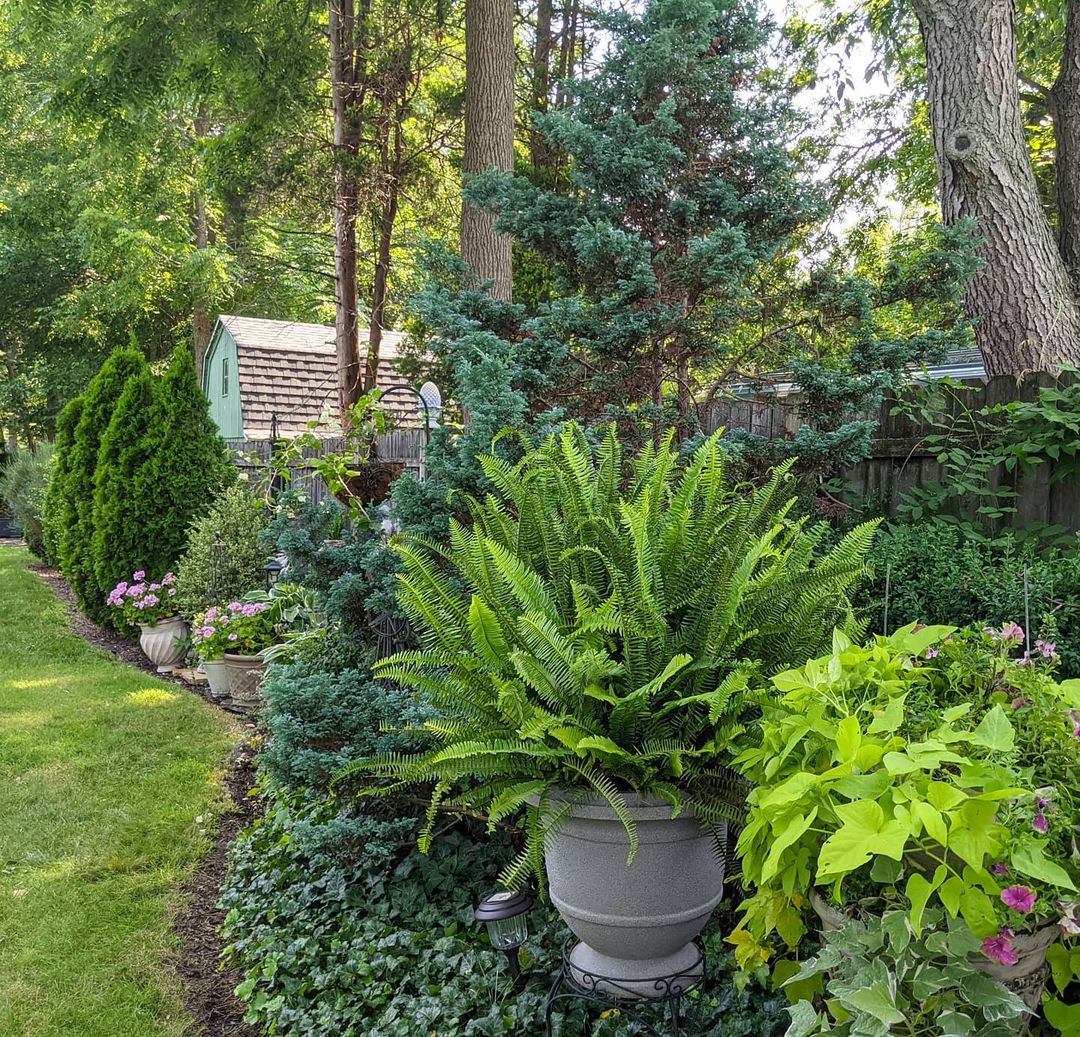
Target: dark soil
208,986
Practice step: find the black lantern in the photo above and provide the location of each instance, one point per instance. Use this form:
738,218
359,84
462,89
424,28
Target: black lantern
273,571
504,914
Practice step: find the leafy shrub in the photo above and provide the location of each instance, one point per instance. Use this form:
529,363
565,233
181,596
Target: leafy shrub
75,547
606,637
940,573
207,576
22,486
319,721
343,929
59,513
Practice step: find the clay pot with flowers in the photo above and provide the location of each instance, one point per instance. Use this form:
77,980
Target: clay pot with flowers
933,772
149,606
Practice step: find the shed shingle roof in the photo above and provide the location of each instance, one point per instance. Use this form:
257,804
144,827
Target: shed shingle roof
289,369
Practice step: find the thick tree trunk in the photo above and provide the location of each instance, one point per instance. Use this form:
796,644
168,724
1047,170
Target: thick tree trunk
1065,104
201,326
346,108
1022,299
489,131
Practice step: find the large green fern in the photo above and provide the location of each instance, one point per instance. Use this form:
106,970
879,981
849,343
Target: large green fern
613,625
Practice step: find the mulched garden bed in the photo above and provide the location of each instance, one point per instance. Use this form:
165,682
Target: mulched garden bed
208,987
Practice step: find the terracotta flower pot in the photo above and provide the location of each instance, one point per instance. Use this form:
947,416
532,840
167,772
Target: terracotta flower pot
246,673
636,922
162,642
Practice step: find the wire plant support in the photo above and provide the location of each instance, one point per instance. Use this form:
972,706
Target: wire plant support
625,995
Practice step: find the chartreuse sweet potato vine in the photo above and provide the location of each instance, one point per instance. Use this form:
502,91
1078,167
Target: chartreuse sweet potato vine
598,627
861,790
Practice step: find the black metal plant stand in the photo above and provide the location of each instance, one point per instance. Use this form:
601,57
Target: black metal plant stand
613,992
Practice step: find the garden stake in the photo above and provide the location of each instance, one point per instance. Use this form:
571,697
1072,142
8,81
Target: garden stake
1027,611
888,573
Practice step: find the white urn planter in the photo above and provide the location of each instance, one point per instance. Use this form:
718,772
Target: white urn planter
163,642
217,678
636,922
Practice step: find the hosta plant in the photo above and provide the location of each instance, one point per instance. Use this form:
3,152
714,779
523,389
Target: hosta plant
599,627
903,769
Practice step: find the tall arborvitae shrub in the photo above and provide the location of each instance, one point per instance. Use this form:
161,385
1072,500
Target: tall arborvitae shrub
187,465
123,516
76,538
58,513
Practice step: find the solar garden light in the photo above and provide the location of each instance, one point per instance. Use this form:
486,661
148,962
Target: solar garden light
273,571
506,918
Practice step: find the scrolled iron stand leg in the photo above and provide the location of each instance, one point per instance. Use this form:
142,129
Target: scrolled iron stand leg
605,992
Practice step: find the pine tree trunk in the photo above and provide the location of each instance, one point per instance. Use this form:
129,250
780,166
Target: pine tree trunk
1065,102
346,110
489,131
540,153
1021,299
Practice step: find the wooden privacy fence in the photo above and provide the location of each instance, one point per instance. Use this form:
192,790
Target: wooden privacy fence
901,459
403,446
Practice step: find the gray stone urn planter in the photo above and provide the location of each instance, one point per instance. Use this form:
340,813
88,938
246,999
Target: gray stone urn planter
245,673
163,642
636,922
217,678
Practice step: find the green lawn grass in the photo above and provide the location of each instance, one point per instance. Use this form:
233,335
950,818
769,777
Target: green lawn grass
108,782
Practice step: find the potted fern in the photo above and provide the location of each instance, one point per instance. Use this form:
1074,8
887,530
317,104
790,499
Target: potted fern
591,638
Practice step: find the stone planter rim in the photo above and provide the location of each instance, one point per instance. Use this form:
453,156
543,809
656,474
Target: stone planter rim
588,806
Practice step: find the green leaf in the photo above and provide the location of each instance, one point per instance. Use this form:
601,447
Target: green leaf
932,821
487,636
995,731
876,1000
1030,860
918,892
1065,1018
863,833
785,833
848,738
804,1019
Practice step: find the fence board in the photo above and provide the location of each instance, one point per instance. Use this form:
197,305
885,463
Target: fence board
404,446
900,458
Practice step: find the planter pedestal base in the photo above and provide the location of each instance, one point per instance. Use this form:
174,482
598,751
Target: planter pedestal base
648,995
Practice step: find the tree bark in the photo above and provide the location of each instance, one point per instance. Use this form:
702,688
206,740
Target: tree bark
1022,301
201,326
541,82
1065,105
489,132
346,103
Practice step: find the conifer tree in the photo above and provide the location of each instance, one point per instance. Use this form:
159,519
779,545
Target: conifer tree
123,517
58,514
75,540
186,465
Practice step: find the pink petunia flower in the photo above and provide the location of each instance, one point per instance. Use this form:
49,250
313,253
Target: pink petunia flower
932,653
1019,898
1074,716
232,637
1020,703
172,592
999,868
999,949
1040,824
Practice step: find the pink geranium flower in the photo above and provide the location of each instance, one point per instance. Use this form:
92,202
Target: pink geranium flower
999,949
1019,898
140,575
1012,632
1048,649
